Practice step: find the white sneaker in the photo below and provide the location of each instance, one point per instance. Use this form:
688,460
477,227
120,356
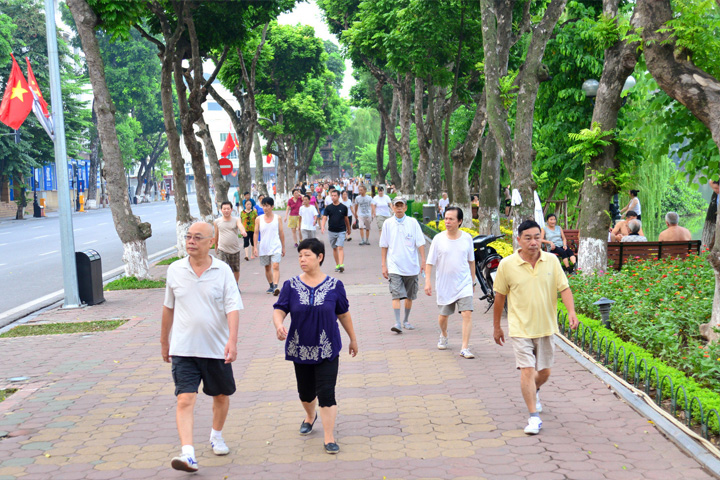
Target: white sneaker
442,343
219,447
534,425
538,405
185,463
466,353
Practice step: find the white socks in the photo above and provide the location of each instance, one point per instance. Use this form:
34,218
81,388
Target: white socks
215,433
188,450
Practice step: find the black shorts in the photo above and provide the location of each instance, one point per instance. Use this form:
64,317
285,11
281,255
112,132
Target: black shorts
249,240
562,252
216,375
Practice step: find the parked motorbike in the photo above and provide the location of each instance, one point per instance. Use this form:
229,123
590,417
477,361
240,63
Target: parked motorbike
486,264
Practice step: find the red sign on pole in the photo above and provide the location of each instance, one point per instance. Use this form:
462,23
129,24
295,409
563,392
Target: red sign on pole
226,166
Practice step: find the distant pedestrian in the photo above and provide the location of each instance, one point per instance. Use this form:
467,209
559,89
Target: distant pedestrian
227,242
271,248
381,208
363,213
258,206
453,255
348,203
442,205
248,216
336,219
401,241
308,219
531,280
201,310
292,214
315,302
236,198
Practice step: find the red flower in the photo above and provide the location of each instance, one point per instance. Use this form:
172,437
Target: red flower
647,289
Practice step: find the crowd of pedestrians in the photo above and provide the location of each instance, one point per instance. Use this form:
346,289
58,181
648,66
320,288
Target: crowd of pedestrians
200,318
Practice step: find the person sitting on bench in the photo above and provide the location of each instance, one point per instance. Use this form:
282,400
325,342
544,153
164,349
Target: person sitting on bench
674,232
554,236
635,227
621,228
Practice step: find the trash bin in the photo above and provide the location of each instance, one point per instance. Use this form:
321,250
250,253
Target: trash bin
89,273
429,213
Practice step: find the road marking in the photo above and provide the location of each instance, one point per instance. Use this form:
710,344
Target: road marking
3,264
78,229
35,228
166,221
91,241
48,253
104,223
5,233
41,236
3,244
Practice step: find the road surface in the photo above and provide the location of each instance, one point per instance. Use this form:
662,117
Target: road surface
30,265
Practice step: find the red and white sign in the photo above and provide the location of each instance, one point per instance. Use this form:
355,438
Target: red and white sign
226,166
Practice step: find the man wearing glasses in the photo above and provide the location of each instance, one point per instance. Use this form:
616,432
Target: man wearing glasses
201,309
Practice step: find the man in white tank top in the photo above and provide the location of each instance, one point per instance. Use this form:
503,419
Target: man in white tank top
272,246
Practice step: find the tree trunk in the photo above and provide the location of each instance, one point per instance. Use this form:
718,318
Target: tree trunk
594,219
221,185
422,126
20,195
489,196
380,154
259,176
94,161
188,115
142,169
463,156
183,219
708,232
517,153
392,147
130,229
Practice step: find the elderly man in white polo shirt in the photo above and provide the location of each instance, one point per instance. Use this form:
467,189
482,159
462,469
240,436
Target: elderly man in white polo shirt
401,240
201,311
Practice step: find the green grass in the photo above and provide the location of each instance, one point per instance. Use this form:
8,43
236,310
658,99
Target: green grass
61,328
168,261
132,283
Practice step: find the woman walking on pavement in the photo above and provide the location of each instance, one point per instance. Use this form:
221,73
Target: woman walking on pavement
315,302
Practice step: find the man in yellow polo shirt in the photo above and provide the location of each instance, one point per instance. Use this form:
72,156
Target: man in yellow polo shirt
531,279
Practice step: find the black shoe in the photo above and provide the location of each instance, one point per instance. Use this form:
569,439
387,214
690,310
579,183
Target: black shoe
306,428
276,291
396,329
332,448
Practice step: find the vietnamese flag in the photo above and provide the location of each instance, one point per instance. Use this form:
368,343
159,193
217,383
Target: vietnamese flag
18,99
229,146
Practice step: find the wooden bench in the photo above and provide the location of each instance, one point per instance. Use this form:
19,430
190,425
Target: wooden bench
573,240
620,252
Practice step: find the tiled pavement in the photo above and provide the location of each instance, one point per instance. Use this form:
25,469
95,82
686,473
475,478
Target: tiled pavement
101,406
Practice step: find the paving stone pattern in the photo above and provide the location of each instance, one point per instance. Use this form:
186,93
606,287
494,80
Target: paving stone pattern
101,406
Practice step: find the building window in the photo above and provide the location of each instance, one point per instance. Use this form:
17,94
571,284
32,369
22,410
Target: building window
214,106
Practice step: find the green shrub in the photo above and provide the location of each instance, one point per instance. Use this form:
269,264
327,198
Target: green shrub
61,328
635,364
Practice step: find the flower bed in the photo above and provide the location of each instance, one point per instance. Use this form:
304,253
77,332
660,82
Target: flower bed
660,306
503,246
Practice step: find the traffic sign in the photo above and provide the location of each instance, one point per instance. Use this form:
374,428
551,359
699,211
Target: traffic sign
226,166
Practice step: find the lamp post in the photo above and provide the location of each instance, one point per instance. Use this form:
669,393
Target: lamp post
605,305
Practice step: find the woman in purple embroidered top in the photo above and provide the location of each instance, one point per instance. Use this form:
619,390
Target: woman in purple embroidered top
315,302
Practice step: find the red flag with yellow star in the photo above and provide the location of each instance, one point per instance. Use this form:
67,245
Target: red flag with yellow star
18,99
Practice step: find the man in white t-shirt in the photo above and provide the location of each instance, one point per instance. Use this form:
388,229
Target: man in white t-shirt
442,205
453,255
363,213
381,207
401,240
308,219
201,311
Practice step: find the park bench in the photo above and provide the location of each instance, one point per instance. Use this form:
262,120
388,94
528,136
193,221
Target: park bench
620,252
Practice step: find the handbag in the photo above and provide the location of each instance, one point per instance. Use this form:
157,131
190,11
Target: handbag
355,224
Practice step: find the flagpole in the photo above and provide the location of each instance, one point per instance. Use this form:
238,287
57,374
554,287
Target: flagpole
67,240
